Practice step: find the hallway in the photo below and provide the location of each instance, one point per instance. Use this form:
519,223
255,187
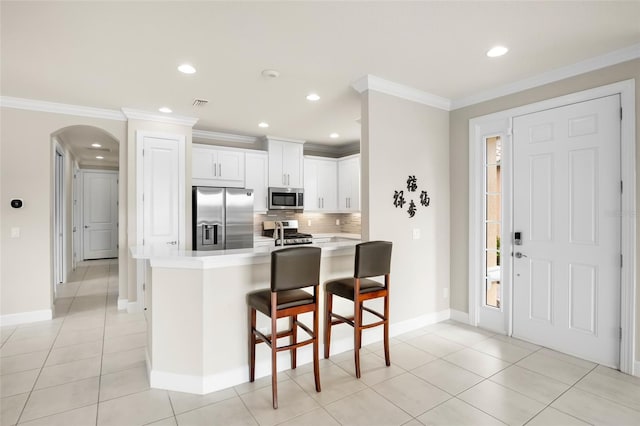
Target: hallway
87,367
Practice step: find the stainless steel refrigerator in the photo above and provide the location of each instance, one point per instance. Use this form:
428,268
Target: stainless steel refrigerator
222,218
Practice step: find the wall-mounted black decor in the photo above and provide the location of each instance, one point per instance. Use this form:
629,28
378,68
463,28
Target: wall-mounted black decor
412,186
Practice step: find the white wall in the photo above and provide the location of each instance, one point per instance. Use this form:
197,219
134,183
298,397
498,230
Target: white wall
460,161
402,138
26,172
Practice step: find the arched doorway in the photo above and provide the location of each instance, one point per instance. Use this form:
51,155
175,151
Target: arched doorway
79,150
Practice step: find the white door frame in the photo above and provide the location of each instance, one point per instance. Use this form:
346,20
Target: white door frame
59,215
77,219
138,305
492,122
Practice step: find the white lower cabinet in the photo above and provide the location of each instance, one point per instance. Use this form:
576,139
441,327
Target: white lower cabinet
320,184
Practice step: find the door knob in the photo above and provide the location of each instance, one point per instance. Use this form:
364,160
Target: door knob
520,255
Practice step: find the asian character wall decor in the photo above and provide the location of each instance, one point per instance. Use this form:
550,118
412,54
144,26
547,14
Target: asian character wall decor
412,186
398,199
425,199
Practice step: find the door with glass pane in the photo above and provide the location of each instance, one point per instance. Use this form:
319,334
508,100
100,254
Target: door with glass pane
492,294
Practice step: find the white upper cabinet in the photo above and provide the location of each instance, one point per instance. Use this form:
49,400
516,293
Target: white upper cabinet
215,166
320,184
286,163
257,175
349,183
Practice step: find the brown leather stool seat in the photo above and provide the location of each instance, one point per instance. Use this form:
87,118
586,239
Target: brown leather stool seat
372,259
291,270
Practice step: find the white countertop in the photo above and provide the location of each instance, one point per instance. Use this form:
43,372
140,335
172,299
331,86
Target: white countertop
172,257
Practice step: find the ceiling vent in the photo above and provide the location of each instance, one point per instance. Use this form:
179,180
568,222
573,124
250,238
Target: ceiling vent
200,102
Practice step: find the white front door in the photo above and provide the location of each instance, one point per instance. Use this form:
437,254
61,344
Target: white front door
566,272
100,214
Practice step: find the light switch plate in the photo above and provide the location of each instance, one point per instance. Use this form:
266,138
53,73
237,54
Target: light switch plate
15,232
416,233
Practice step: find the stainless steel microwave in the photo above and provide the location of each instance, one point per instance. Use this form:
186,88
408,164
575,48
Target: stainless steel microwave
286,198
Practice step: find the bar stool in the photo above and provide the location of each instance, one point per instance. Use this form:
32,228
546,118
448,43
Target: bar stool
291,270
373,259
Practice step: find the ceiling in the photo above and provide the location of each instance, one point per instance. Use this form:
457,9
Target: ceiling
125,54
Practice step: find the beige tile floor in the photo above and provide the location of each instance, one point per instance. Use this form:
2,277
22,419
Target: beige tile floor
86,367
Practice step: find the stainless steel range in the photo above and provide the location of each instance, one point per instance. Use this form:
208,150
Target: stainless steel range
288,228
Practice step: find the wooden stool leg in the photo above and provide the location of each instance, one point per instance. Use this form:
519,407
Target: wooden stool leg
294,340
316,361
357,333
386,331
274,353
328,307
252,345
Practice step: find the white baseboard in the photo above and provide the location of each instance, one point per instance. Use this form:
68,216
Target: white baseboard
133,307
636,369
26,317
214,382
459,316
123,304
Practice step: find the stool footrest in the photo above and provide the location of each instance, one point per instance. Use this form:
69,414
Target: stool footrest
371,311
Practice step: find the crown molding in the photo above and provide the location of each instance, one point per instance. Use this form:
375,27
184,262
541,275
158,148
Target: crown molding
337,150
135,114
278,138
612,58
371,82
225,137
58,108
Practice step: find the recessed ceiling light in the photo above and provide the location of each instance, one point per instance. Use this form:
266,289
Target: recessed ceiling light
263,124
334,135
186,69
313,97
96,145
99,157
496,51
270,73
166,110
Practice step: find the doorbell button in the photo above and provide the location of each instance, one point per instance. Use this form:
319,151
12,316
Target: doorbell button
16,203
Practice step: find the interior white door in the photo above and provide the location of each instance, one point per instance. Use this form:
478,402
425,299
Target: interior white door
566,283
161,189
100,214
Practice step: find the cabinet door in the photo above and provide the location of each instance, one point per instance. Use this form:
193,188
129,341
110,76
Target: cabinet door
276,170
231,166
203,164
293,165
256,178
311,176
327,184
349,184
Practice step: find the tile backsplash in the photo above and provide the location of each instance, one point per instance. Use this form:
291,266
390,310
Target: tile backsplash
313,223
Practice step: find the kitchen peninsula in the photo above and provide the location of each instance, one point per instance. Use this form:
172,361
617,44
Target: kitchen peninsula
197,316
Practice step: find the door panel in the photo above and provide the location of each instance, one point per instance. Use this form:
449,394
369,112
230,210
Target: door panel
100,214
161,205
566,192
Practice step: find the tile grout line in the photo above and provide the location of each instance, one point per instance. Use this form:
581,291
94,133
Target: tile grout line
104,330
561,394
47,357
